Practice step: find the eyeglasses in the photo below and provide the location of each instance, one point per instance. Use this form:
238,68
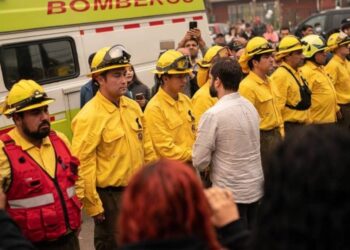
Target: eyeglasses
36,98
114,56
180,64
265,46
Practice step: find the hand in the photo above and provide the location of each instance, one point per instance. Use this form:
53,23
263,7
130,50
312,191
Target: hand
2,199
99,218
223,206
142,102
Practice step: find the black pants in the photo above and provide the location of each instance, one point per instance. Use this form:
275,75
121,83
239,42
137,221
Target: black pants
248,213
268,141
106,232
291,127
66,242
345,111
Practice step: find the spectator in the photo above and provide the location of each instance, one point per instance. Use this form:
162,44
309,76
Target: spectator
307,29
181,214
247,33
220,39
284,31
270,35
305,203
89,89
140,92
259,28
232,123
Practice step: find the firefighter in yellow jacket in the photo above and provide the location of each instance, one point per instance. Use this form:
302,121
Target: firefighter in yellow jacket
257,61
202,100
294,96
339,70
324,108
169,113
111,141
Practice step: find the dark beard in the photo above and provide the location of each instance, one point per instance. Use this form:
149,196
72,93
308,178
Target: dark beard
212,91
41,133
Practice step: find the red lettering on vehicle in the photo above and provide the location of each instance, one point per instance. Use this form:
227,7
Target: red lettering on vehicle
79,5
138,3
122,3
56,7
103,6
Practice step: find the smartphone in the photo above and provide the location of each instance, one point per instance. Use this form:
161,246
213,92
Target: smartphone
139,96
167,44
193,25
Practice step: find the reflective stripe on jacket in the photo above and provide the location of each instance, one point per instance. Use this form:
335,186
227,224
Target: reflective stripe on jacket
43,207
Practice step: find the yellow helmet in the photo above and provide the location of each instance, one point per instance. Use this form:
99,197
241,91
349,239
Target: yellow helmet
337,39
313,44
256,46
288,44
173,62
109,58
25,95
211,54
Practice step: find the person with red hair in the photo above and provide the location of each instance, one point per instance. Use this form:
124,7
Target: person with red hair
165,207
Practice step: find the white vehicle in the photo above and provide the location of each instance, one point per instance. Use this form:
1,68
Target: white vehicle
50,42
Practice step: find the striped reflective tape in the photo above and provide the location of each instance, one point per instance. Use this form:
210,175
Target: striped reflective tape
71,191
36,201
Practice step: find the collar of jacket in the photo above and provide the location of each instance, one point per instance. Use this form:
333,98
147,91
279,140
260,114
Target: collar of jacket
26,145
338,59
257,78
313,65
290,68
164,95
108,105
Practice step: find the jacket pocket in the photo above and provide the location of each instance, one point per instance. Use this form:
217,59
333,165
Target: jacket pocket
265,106
174,123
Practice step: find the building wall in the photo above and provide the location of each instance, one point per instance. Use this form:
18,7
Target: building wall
291,11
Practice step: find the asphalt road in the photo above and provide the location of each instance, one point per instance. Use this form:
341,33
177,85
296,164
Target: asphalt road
86,236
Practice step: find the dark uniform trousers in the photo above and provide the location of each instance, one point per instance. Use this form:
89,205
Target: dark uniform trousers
67,242
268,141
106,232
345,111
291,127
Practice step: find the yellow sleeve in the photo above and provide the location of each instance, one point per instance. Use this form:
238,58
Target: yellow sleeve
84,143
200,105
5,169
162,139
247,93
332,72
150,155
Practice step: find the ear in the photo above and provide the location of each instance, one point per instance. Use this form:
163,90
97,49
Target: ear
217,82
100,79
16,118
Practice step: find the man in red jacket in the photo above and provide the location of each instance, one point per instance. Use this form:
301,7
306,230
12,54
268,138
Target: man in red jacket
38,172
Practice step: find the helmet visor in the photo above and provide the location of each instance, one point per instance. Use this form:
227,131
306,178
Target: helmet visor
36,98
180,64
114,56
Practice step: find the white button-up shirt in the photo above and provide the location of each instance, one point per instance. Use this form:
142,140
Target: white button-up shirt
228,140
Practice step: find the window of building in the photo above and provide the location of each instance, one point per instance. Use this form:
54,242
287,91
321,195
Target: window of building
45,61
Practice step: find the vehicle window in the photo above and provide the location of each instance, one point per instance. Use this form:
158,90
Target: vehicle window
317,19
44,61
337,18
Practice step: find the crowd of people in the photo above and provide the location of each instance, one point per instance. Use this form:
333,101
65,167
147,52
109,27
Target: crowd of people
264,128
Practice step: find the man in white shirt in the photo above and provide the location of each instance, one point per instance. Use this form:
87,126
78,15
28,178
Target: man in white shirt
228,140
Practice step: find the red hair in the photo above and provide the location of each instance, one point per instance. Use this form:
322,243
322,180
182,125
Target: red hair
165,200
